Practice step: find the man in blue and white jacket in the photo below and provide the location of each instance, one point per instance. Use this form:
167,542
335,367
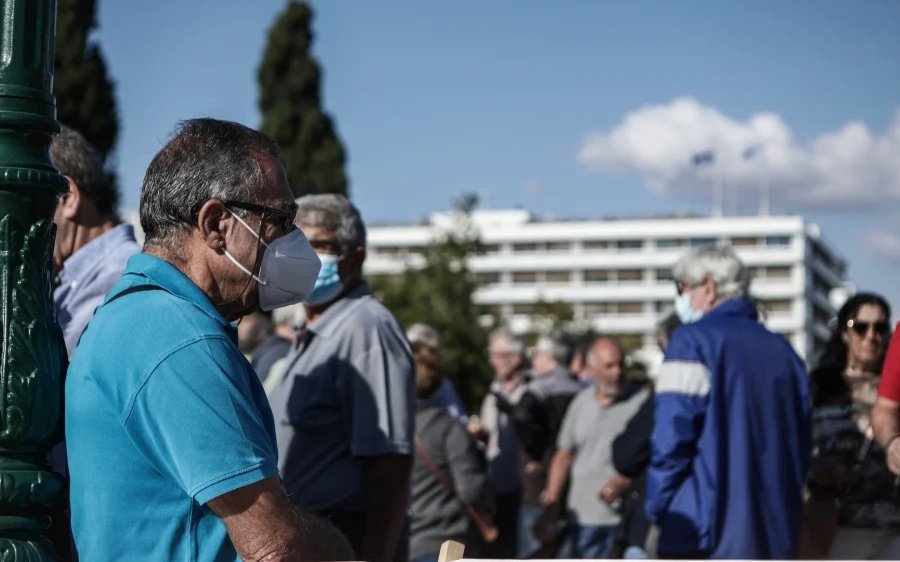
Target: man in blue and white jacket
731,441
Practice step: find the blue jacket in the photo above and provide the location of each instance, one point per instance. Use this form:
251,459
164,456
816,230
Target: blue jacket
731,442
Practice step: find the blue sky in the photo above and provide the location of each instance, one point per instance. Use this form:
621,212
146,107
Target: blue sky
574,108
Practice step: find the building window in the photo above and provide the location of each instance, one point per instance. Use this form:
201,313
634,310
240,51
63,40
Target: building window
526,247
557,276
595,308
778,240
524,277
746,241
631,307
523,308
595,245
487,278
781,306
630,275
490,248
778,272
596,276
559,246
629,245
697,242
664,275
669,243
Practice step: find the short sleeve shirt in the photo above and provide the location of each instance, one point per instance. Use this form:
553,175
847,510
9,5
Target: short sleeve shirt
348,392
589,430
163,414
890,373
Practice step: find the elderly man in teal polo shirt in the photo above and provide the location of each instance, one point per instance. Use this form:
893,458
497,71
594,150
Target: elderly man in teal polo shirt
172,448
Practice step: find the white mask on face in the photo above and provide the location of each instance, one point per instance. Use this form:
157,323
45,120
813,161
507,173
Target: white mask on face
686,313
288,271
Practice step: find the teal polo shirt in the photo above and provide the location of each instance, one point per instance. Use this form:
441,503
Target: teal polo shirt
163,414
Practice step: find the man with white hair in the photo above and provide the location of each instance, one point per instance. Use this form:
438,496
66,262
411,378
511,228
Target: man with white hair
539,416
731,441
345,407
506,354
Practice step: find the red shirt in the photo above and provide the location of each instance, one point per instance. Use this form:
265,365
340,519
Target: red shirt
889,387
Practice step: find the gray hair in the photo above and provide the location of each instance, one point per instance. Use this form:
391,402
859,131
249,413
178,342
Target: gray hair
554,347
718,263
335,213
512,344
78,159
291,315
424,334
205,159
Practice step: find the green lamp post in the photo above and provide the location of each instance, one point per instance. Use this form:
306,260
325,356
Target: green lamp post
32,354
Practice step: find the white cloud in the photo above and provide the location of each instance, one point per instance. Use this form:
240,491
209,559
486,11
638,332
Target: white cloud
848,167
882,245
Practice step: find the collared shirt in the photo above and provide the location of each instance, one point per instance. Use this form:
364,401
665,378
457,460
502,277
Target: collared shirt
589,430
503,439
348,392
87,276
163,414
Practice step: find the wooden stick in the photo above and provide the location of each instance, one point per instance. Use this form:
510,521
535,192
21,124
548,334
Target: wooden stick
451,551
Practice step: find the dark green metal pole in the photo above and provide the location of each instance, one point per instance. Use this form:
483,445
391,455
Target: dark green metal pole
32,354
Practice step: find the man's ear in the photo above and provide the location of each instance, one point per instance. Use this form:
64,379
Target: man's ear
70,201
213,224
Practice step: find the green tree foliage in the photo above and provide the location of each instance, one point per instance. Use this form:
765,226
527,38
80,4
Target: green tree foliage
439,292
85,97
291,106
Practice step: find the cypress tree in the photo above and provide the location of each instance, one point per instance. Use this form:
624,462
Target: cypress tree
290,101
84,93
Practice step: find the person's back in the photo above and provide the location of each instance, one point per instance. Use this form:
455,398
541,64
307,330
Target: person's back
436,514
164,492
742,494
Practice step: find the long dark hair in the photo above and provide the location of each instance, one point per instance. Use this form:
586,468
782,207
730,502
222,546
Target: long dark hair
828,376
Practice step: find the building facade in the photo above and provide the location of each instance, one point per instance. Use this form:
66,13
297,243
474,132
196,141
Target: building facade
616,273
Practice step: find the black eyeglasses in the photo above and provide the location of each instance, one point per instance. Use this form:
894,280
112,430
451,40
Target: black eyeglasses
862,328
287,216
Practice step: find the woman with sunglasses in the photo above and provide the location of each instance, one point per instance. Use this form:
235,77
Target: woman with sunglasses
850,513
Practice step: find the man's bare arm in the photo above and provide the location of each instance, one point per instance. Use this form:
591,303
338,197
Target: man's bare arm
387,497
558,476
264,526
886,426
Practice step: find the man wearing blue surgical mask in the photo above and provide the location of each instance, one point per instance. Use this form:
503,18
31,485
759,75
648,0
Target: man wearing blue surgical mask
344,411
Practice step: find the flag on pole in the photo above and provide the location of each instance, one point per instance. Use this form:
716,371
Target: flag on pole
702,158
752,151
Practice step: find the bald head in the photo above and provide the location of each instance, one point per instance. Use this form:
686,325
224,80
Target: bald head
606,361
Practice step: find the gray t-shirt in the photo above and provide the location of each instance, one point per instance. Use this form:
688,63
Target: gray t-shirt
589,430
348,392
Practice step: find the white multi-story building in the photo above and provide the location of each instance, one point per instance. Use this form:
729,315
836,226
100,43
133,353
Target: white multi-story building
616,273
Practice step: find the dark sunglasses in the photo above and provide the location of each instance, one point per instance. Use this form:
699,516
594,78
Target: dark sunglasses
287,216
862,328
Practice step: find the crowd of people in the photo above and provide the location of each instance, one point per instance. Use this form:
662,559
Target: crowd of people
237,391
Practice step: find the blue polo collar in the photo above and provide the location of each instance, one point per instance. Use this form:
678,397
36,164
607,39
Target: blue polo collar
144,269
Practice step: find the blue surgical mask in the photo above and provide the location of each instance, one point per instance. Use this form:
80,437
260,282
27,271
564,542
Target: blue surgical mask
686,313
328,283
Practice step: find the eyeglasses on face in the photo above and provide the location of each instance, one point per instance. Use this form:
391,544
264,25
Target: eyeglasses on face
862,328
286,216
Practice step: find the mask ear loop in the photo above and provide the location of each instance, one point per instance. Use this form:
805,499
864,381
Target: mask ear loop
257,263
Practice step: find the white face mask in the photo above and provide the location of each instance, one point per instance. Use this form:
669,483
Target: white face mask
288,271
686,313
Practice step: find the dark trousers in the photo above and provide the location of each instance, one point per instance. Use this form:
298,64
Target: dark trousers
353,525
506,520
